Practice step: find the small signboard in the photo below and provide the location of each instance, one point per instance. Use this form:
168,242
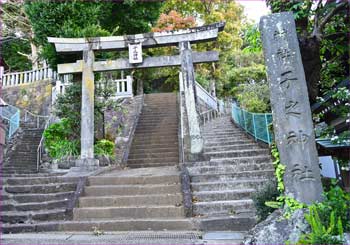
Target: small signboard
135,53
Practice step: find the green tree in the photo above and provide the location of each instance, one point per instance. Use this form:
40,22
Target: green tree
322,30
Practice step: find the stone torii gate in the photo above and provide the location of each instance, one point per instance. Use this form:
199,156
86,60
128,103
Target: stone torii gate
134,43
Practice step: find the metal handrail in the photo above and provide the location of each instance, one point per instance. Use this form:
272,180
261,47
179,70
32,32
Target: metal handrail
36,117
209,115
206,96
12,115
40,149
255,124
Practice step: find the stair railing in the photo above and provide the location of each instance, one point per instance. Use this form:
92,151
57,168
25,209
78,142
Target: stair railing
41,147
205,96
24,77
209,115
11,115
37,119
255,124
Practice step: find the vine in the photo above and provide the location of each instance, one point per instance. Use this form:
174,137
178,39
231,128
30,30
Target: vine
289,204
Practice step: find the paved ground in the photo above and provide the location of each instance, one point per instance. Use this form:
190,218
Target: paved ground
148,237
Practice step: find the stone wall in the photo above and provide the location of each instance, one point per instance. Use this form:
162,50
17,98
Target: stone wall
35,97
120,126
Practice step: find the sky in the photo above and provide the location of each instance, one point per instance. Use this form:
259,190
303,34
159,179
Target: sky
254,9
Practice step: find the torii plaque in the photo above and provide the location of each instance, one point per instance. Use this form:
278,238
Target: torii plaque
87,66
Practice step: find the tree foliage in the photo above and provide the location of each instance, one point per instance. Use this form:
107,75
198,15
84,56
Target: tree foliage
322,29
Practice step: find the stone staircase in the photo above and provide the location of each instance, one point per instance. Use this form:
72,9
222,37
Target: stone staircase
222,187
131,199
22,158
35,202
155,141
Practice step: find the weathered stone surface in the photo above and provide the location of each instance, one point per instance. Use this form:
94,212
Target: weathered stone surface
293,127
149,62
121,124
278,230
87,109
187,78
35,97
148,40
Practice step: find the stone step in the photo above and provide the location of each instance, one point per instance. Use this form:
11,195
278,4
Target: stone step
125,190
34,206
151,146
47,197
30,175
230,207
132,161
160,149
229,185
41,180
152,125
156,130
241,160
126,201
171,140
131,212
232,147
46,188
159,137
13,217
219,141
162,155
224,136
232,176
227,142
221,133
237,153
130,180
151,165
240,222
207,196
160,120
215,162
228,168
154,224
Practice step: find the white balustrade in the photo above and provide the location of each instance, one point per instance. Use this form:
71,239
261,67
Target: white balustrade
210,100
17,78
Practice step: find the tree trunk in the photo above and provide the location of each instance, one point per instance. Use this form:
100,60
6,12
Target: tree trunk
139,89
310,53
212,89
34,56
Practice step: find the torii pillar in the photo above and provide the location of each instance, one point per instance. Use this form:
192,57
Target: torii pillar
87,160
194,137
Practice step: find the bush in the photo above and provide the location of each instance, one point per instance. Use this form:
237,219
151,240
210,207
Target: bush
268,193
58,140
104,147
338,201
331,233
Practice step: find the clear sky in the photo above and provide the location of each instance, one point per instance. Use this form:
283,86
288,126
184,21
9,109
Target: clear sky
254,9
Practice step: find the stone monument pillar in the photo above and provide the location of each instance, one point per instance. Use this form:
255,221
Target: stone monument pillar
194,134
292,122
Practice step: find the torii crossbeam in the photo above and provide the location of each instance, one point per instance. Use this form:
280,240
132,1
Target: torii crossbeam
87,66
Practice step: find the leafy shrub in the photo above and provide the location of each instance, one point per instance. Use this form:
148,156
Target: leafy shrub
338,201
268,193
104,147
58,140
254,97
331,233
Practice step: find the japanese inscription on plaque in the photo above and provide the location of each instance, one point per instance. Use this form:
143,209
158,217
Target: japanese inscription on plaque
293,127
135,53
